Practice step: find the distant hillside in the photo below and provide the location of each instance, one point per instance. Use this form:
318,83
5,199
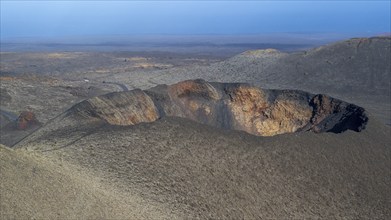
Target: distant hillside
357,70
357,65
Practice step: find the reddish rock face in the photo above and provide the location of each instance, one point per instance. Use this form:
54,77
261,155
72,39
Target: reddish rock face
253,112
193,89
26,120
228,105
195,100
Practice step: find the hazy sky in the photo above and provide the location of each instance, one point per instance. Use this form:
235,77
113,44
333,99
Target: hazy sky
75,18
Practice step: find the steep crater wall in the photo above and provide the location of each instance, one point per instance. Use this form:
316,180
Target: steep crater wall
234,106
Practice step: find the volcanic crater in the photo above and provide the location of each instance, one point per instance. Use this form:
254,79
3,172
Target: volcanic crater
235,106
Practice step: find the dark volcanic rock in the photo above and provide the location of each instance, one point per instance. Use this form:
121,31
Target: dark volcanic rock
336,116
234,106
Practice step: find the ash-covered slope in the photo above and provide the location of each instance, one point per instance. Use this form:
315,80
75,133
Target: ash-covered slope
206,172
35,187
356,65
226,105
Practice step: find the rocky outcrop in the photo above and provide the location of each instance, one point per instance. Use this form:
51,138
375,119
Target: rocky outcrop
234,106
27,120
257,112
14,128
